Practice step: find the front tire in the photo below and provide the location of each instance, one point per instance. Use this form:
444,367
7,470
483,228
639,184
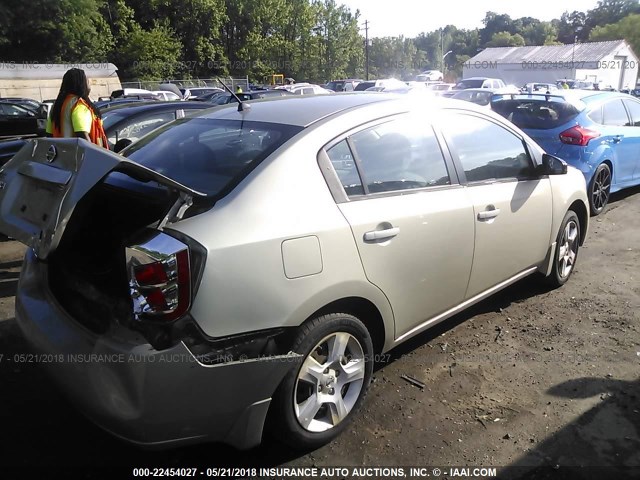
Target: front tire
316,401
599,189
566,254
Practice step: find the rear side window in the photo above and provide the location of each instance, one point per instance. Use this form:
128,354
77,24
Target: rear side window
486,150
634,111
613,113
400,155
541,114
209,155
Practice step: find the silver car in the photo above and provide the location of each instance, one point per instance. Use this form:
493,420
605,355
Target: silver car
252,263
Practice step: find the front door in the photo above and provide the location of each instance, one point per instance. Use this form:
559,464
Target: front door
512,206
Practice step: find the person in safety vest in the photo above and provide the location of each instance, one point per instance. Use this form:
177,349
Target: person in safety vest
73,114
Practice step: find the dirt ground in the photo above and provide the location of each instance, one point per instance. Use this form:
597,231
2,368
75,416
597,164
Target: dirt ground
533,380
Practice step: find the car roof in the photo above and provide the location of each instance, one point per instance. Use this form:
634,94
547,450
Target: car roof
131,108
306,110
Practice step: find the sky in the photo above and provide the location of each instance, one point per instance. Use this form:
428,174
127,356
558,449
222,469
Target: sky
392,18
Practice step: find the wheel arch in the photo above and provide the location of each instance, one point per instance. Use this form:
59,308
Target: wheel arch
582,212
362,309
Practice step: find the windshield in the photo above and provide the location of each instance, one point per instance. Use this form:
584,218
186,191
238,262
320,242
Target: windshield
542,113
208,155
336,86
109,119
464,84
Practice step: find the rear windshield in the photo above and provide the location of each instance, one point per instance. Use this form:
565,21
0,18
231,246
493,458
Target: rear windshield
477,83
209,155
540,114
479,98
364,85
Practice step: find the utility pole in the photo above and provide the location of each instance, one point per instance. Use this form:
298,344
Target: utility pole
366,49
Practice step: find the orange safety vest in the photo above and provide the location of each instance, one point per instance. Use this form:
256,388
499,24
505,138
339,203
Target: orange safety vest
96,133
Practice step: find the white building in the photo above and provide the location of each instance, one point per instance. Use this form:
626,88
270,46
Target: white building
41,81
608,63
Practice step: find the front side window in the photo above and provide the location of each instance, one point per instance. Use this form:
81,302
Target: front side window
486,150
400,155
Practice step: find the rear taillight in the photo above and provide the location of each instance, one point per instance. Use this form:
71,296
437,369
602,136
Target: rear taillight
159,278
578,136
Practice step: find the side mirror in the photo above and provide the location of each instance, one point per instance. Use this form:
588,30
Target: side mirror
553,165
122,144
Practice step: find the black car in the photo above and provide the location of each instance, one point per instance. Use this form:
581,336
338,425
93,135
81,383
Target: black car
16,120
27,103
246,96
123,124
347,85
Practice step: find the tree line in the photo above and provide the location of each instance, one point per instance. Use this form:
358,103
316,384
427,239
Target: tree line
314,40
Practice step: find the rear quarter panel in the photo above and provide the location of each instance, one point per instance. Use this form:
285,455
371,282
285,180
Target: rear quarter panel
244,285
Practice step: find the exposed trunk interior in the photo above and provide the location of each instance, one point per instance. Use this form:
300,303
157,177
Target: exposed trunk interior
87,273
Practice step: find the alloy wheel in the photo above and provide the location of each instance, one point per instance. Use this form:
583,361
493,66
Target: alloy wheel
329,382
601,189
568,249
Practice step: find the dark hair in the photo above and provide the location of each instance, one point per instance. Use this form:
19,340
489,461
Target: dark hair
74,82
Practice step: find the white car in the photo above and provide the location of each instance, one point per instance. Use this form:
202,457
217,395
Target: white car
247,263
167,96
430,76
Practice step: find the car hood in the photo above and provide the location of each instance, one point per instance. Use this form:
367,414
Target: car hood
42,184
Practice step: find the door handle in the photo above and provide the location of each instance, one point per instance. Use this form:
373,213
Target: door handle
489,213
381,234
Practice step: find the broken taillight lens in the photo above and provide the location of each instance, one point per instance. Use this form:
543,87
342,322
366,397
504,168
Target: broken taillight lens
159,278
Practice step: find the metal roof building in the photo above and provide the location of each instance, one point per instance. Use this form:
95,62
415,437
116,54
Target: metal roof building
610,63
41,81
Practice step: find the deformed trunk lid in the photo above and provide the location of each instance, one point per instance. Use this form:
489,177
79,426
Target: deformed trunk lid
41,185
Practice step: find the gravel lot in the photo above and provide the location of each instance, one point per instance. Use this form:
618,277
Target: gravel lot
530,378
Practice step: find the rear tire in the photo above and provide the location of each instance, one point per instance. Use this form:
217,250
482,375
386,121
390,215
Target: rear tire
566,254
599,189
316,401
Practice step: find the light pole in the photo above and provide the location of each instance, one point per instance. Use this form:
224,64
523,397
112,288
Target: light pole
443,57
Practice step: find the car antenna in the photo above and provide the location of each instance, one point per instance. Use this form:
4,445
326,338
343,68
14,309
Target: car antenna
242,106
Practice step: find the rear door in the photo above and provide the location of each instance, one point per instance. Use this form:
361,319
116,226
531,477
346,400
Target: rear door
410,218
512,206
42,184
633,133
620,138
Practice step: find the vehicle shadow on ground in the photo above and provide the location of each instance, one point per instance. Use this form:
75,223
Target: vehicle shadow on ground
516,293
604,442
622,194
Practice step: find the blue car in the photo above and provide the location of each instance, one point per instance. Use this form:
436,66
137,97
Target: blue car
596,132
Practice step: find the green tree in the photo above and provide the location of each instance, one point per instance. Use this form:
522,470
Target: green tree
505,39
151,54
628,29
